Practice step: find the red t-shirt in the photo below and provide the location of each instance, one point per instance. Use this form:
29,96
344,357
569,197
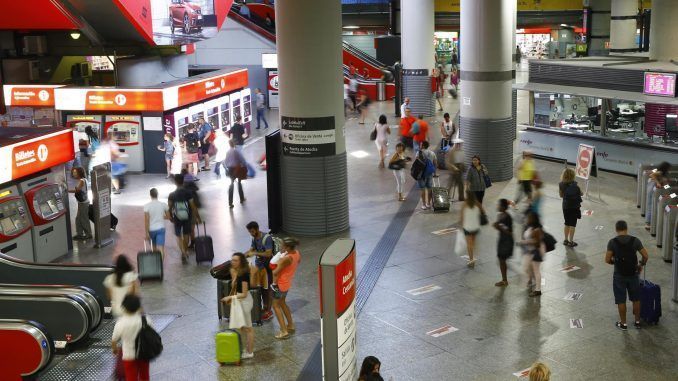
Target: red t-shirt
406,125
423,131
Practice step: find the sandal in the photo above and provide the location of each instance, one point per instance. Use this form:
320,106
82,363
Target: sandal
282,335
501,284
291,330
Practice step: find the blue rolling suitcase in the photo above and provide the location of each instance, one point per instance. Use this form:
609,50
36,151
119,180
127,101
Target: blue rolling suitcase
650,301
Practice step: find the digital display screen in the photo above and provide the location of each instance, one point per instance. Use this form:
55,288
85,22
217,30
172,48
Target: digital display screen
53,206
671,123
120,136
45,210
7,225
248,106
662,84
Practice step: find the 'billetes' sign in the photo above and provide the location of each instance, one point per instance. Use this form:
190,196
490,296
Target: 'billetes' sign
308,137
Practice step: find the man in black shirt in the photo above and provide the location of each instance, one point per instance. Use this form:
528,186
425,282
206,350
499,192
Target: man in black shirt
183,211
621,252
237,133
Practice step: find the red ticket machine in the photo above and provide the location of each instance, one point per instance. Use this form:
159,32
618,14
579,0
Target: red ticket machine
15,225
45,201
125,130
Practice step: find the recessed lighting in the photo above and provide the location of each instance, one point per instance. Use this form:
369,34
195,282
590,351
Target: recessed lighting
565,25
360,154
351,27
75,35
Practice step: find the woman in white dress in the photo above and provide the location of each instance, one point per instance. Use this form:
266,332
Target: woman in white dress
123,281
383,130
470,222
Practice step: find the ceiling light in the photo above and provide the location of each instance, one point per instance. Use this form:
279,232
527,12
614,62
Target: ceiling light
75,35
565,25
351,27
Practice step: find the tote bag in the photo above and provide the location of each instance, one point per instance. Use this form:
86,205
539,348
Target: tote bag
237,319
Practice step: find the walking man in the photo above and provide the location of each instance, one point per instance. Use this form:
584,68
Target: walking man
260,108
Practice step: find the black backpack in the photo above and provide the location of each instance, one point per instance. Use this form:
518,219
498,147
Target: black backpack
418,167
148,343
625,258
191,143
549,242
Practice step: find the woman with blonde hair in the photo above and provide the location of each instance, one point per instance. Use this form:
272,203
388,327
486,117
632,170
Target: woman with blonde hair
539,372
571,195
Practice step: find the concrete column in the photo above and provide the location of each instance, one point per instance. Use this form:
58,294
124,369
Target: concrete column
314,183
623,25
417,51
486,94
514,15
600,26
664,30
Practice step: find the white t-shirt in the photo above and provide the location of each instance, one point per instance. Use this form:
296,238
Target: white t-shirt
126,330
471,219
118,292
403,107
156,214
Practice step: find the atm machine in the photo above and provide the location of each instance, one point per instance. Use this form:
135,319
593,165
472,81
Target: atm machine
15,225
225,113
235,106
45,201
670,221
196,112
125,130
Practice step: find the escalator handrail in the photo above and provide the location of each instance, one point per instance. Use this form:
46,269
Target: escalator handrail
66,266
362,55
252,25
39,332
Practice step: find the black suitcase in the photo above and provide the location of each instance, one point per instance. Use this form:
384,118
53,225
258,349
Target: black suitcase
204,250
224,311
149,264
222,271
440,197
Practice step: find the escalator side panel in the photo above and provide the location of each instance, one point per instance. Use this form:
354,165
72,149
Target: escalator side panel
31,349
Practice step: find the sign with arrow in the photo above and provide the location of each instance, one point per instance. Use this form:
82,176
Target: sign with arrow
308,137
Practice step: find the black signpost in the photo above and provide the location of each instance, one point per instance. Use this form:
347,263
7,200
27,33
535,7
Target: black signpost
308,137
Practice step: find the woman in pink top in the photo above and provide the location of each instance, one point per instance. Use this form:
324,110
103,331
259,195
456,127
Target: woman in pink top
284,274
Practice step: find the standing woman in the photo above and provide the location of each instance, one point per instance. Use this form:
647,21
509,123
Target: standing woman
284,273
504,225
397,164
383,130
168,147
533,248
470,222
82,227
571,195
475,178
240,286
123,281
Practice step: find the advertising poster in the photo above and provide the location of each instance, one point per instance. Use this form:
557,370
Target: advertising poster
273,94
178,22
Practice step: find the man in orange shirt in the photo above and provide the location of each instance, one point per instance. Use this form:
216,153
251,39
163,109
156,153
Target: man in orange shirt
405,126
422,135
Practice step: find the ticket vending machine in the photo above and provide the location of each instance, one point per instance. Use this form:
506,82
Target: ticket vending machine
80,122
15,225
196,112
45,201
224,113
181,122
236,112
212,111
246,105
125,130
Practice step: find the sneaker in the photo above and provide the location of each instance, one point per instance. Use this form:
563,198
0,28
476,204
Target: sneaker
247,355
501,284
573,244
535,293
637,325
566,243
267,315
621,326
78,238
471,263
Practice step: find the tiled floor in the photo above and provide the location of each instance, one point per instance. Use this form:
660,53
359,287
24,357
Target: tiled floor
500,331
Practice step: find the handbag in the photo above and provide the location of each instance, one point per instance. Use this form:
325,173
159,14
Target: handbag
237,317
483,219
373,134
486,177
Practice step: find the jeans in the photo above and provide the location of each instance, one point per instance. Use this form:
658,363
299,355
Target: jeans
82,226
241,194
400,180
260,116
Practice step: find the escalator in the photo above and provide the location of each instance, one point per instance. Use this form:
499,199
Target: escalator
26,350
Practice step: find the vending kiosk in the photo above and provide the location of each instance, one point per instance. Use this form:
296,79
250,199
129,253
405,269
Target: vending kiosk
45,201
225,113
181,122
212,111
246,106
196,112
15,225
80,122
125,130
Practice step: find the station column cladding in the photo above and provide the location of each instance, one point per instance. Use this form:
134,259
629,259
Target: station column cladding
600,26
486,73
417,51
314,181
664,30
623,26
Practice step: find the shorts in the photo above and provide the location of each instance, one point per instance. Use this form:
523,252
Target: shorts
279,294
571,216
191,158
407,141
527,186
473,233
262,277
621,284
425,183
157,237
185,227
204,148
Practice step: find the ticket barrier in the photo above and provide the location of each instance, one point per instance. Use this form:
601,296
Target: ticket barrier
15,225
670,221
30,351
642,176
664,201
659,194
674,280
91,276
66,312
644,181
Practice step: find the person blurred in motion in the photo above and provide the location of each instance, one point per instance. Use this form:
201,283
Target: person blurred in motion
533,250
406,122
191,143
404,106
221,144
526,172
124,280
284,273
658,178
237,171
383,130
168,148
206,135
422,134
88,145
125,333
82,227
539,372
470,222
353,89
261,108
397,164
504,225
454,162
155,214
183,212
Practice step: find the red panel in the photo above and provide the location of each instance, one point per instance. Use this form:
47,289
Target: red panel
20,354
42,154
221,8
138,12
360,65
655,117
262,10
34,15
124,100
344,284
211,87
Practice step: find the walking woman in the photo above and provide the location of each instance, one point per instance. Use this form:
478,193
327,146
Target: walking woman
571,195
383,130
123,281
237,170
88,147
284,275
240,273
533,250
470,222
83,229
168,148
475,178
398,163
504,225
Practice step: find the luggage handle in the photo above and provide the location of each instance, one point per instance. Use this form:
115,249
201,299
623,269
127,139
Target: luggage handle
434,181
204,229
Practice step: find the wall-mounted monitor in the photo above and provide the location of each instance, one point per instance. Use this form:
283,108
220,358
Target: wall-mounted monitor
662,84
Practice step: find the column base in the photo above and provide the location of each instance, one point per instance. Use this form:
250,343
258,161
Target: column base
418,88
492,140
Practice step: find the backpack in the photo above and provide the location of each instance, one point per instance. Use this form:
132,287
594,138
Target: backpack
182,210
415,128
625,259
430,168
277,242
418,167
549,242
148,342
191,143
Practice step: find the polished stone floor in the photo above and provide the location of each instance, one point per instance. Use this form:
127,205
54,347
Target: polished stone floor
500,331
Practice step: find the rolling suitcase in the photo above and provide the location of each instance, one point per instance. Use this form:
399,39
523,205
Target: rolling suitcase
440,196
224,311
149,264
227,347
204,251
650,301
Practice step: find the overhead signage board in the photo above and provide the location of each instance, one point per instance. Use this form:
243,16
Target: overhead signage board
308,137
662,84
34,155
29,95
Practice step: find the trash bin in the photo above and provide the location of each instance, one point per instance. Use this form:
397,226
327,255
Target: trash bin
381,91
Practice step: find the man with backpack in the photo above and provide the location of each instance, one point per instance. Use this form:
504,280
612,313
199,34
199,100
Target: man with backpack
263,248
184,213
192,144
419,132
423,170
621,252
